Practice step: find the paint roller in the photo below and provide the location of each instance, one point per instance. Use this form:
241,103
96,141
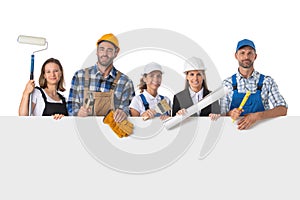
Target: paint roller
23,39
207,100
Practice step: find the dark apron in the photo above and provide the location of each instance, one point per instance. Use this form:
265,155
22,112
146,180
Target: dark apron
54,108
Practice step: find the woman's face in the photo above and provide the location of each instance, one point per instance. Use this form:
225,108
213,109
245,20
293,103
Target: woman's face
195,79
153,80
52,73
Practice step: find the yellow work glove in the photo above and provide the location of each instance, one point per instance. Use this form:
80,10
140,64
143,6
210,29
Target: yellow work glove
122,129
126,126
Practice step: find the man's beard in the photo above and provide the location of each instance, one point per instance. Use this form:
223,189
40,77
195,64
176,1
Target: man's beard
246,66
106,63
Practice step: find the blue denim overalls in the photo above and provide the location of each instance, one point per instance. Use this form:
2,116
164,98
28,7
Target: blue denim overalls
254,102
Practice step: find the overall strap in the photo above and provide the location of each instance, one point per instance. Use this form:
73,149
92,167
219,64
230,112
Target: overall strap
43,94
260,82
146,104
113,85
161,97
86,84
234,84
61,97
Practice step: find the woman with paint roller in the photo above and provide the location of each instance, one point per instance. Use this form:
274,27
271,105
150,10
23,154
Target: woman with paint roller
46,100
262,89
144,104
195,90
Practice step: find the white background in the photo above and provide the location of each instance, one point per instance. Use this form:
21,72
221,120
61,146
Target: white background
72,28
53,164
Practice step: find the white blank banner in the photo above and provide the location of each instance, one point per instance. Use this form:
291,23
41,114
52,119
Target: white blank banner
46,159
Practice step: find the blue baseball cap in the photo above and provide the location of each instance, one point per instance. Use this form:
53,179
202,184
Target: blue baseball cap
245,42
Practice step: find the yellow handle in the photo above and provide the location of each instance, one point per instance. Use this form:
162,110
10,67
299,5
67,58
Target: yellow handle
243,101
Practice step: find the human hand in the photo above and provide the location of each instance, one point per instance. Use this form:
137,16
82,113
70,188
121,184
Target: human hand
214,117
235,113
247,121
164,117
122,129
83,111
57,116
148,114
29,87
119,115
181,112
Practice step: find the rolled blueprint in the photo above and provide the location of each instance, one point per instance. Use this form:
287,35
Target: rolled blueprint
207,100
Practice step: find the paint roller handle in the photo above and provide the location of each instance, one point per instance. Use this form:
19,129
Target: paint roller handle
32,67
31,78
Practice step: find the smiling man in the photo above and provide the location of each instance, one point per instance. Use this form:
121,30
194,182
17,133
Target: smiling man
97,89
263,90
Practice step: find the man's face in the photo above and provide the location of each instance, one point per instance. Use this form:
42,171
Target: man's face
106,53
246,57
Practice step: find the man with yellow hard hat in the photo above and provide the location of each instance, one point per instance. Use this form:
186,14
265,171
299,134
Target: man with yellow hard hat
100,88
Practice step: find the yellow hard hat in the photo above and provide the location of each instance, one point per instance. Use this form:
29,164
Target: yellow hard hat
110,38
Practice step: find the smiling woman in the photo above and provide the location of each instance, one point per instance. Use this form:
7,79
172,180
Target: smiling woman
195,90
144,104
46,100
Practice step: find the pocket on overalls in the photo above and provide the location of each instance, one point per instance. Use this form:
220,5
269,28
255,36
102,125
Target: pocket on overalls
103,102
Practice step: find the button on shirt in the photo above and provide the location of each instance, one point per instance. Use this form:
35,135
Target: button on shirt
196,97
269,91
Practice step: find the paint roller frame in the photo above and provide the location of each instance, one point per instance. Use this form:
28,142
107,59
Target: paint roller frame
32,40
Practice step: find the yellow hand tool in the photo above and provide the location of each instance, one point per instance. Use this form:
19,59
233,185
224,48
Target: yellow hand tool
243,102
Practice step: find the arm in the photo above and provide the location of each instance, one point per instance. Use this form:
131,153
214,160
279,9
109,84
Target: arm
176,106
75,95
126,97
248,120
134,112
278,102
137,109
122,110
225,101
24,108
274,112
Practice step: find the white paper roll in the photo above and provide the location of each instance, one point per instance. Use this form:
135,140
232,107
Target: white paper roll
207,100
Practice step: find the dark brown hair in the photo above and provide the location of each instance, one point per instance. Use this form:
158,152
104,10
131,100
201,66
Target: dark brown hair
43,81
204,84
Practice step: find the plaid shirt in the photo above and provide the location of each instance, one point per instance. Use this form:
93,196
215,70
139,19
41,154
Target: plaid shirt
269,91
124,90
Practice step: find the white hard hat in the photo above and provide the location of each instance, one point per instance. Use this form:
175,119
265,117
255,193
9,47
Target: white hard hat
152,67
193,63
